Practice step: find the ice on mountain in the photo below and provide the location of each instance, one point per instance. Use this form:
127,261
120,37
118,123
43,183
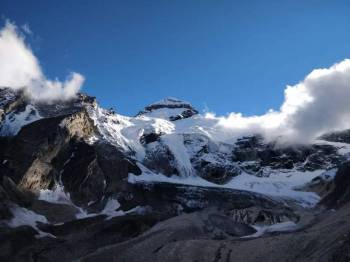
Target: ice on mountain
14,121
26,217
175,143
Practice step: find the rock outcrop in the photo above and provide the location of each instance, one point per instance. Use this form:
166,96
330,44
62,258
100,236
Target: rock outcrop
340,193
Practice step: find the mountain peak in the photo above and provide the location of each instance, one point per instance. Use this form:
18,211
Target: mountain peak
169,108
169,102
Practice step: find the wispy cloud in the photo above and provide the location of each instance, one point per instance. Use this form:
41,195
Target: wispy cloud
26,29
20,69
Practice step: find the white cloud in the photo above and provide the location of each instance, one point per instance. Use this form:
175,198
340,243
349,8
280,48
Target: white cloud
20,69
317,105
323,104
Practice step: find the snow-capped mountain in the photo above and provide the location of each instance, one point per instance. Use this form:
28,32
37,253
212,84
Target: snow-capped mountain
170,108
73,162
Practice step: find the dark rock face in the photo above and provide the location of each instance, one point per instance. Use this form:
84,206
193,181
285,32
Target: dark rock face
55,213
115,165
82,176
14,240
340,194
340,136
73,239
217,173
270,155
149,138
342,252
185,114
224,225
9,195
161,160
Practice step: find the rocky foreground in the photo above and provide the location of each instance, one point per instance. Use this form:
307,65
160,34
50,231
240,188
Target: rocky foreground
78,182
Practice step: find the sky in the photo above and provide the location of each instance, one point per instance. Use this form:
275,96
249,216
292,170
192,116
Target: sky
222,56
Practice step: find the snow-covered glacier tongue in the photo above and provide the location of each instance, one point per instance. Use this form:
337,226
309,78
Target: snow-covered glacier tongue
72,164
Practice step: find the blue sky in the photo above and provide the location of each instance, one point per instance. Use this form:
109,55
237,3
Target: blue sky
226,55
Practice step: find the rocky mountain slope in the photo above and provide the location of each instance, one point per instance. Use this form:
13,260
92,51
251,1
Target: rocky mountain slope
79,182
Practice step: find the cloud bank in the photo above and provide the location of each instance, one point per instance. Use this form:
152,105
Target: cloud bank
317,105
20,69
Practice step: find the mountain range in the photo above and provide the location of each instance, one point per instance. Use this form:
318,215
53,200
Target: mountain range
82,183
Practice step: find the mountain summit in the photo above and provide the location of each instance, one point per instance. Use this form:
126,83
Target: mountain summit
170,109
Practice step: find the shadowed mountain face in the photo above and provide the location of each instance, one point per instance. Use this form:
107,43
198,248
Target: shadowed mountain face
81,182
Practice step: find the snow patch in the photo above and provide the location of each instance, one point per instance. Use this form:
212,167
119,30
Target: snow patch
26,217
175,143
278,227
23,216
111,209
13,121
57,196
279,184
